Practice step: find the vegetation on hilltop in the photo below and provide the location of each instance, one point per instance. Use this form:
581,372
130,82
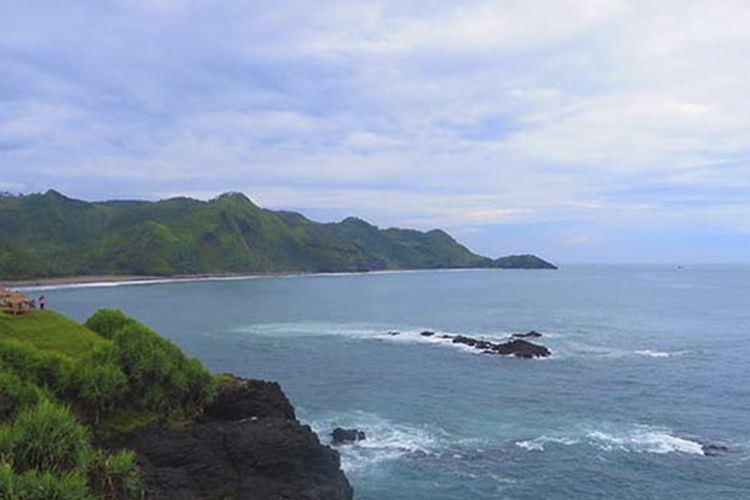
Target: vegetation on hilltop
63,384
50,235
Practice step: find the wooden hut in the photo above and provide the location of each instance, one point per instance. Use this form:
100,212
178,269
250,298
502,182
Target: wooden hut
14,302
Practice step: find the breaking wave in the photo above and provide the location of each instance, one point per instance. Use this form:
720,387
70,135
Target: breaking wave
636,439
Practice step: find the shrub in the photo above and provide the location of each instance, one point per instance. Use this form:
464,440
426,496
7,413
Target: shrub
16,394
6,444
115,476
47,437
52,371
34,485
44,369
98,383
7,482
106,322
159,373
201,386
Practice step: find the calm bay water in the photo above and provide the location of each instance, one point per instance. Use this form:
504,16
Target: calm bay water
648,363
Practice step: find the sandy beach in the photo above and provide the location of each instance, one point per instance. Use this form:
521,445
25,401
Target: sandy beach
115,279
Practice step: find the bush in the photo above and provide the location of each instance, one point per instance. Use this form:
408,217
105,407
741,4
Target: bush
98,383
201,387
160,376
16,394
47,437
46,454
44,369
115,476
106,322
34,485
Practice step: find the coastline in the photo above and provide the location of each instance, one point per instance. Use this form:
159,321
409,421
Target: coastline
115,280
111,280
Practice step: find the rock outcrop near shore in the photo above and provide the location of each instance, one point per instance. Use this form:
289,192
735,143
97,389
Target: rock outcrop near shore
518,347
248,445
346,436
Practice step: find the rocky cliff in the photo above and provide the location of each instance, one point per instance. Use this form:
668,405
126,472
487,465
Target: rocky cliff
247,445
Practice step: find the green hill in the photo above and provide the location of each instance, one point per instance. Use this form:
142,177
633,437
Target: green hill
63,386
49,331
51,235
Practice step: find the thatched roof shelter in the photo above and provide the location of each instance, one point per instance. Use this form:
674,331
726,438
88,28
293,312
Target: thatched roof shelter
14,302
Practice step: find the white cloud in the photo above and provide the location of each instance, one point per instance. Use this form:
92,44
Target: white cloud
429,113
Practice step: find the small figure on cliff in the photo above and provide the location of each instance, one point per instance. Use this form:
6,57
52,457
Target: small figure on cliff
42,302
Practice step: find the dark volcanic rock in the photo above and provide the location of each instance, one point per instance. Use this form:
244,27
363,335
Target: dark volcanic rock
531,334
461,339
394,333
712,450
427,333
247,446
517,347
346,436
250,398
476,343
521,349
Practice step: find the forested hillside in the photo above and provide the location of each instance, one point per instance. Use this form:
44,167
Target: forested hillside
51,235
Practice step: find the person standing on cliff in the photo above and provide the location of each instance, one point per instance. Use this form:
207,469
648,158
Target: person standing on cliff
42,302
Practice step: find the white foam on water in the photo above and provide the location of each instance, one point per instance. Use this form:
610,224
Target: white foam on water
539,443
659,354
364,331
633,439
385,441
644,440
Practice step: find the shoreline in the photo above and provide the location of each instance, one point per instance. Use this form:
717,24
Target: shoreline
115,280
110,279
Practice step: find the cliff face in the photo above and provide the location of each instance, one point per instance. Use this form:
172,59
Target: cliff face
248,445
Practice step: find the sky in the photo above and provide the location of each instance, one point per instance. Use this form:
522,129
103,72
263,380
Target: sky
579,130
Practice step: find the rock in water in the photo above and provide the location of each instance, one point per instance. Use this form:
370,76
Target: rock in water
247,446
427,333
712,450
346,436
531,334
520,348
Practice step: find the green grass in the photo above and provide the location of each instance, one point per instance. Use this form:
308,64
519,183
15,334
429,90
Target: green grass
49,331
125,420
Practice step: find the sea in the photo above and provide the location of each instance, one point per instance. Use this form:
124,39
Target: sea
649,365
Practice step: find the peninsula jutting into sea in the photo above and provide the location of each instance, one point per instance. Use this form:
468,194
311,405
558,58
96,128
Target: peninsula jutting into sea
50,235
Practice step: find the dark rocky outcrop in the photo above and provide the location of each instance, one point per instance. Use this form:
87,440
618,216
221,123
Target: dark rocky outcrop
393,333
346,436
427,333
531,334
248,445
243,398
519,348
476,343
712,450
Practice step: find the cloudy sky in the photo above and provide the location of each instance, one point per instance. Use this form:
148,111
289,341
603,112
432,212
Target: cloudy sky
581,130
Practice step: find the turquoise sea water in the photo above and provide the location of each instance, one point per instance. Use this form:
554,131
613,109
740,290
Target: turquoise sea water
648,364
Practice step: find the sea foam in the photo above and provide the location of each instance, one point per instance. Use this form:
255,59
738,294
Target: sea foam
634,439
385,441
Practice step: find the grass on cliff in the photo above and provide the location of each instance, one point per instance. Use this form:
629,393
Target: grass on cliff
62,383
49,331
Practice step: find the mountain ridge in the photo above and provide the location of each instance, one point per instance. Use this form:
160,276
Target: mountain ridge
52,235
